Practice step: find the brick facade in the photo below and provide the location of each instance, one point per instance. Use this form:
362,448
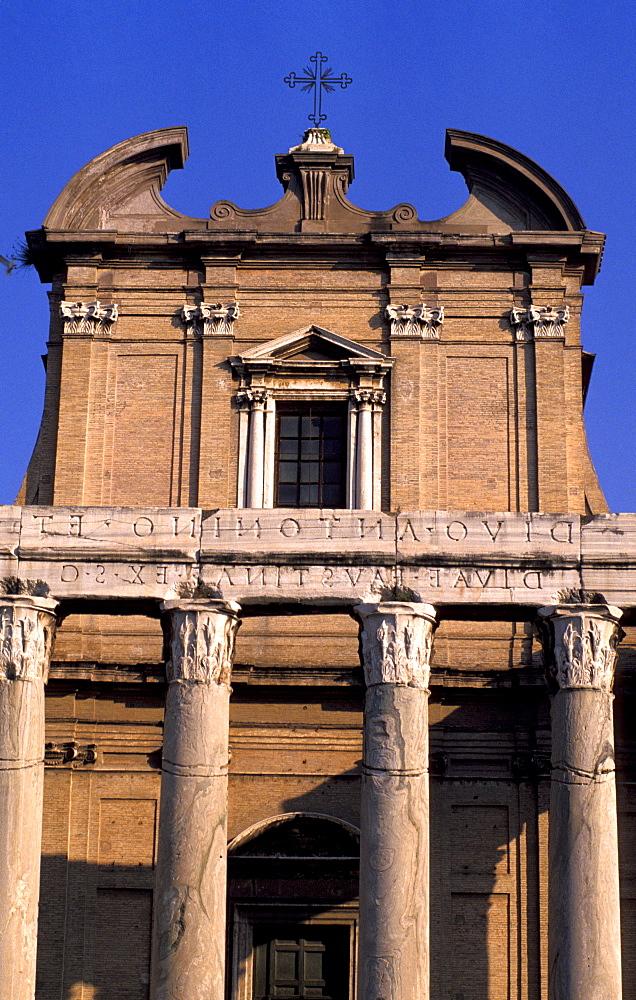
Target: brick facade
482,414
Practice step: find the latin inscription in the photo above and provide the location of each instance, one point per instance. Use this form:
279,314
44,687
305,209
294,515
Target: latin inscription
268,527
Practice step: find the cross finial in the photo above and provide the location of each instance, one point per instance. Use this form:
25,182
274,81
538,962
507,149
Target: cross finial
317,79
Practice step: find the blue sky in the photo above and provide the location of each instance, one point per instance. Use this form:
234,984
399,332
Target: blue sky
553,78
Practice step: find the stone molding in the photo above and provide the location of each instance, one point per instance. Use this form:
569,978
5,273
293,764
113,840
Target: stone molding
415,321
200,641
88,317
580,644
27,626
210,319
396,642
536,323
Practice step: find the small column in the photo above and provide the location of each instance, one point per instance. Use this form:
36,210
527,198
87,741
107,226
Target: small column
364,465
584,945
394,841
27,626
256,455
190,896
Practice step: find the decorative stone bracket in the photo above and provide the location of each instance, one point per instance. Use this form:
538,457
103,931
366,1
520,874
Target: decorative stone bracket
536,323
415,321
58,754
88,317
210,319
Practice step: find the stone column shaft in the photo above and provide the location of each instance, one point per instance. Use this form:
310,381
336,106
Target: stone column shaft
26,632
584,945
190,896
394,841
256,454
364,468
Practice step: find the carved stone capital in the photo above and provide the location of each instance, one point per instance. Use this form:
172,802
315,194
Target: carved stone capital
252,398
415,321
396,642
88,317
210,319
27,626
536,323
200,640
580,644
369,397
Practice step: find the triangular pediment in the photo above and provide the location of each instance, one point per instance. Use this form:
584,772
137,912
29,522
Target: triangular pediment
312,343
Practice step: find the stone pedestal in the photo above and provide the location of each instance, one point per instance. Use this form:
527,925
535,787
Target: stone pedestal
394,842
26,632
584,943
190,895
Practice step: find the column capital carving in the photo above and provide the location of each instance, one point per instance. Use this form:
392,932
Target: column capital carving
369,397
580,644
210,319
415,321
544,322
396,641
200,639
27,626
252,397
88,317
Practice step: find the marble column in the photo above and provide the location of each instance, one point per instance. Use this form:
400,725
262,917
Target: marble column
584,947
190,895
394,834
256,455
26,631
364,464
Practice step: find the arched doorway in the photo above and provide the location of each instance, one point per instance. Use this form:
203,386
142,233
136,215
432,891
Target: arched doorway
293,887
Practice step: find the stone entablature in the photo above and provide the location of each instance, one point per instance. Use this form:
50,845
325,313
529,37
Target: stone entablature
319,556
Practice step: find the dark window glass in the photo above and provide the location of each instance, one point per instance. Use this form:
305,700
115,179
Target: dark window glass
311,456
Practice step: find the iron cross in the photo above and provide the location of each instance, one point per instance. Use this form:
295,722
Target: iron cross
316,79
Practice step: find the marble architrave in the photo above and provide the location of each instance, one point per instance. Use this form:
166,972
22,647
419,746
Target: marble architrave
584,942
26,631
326,557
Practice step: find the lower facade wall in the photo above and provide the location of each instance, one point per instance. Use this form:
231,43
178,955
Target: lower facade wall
298,749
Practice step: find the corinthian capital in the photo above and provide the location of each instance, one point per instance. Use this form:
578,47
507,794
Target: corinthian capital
200,640
210,319
255,397
539,322
396,642
580,644
369,397
27,625
88,317
415,321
